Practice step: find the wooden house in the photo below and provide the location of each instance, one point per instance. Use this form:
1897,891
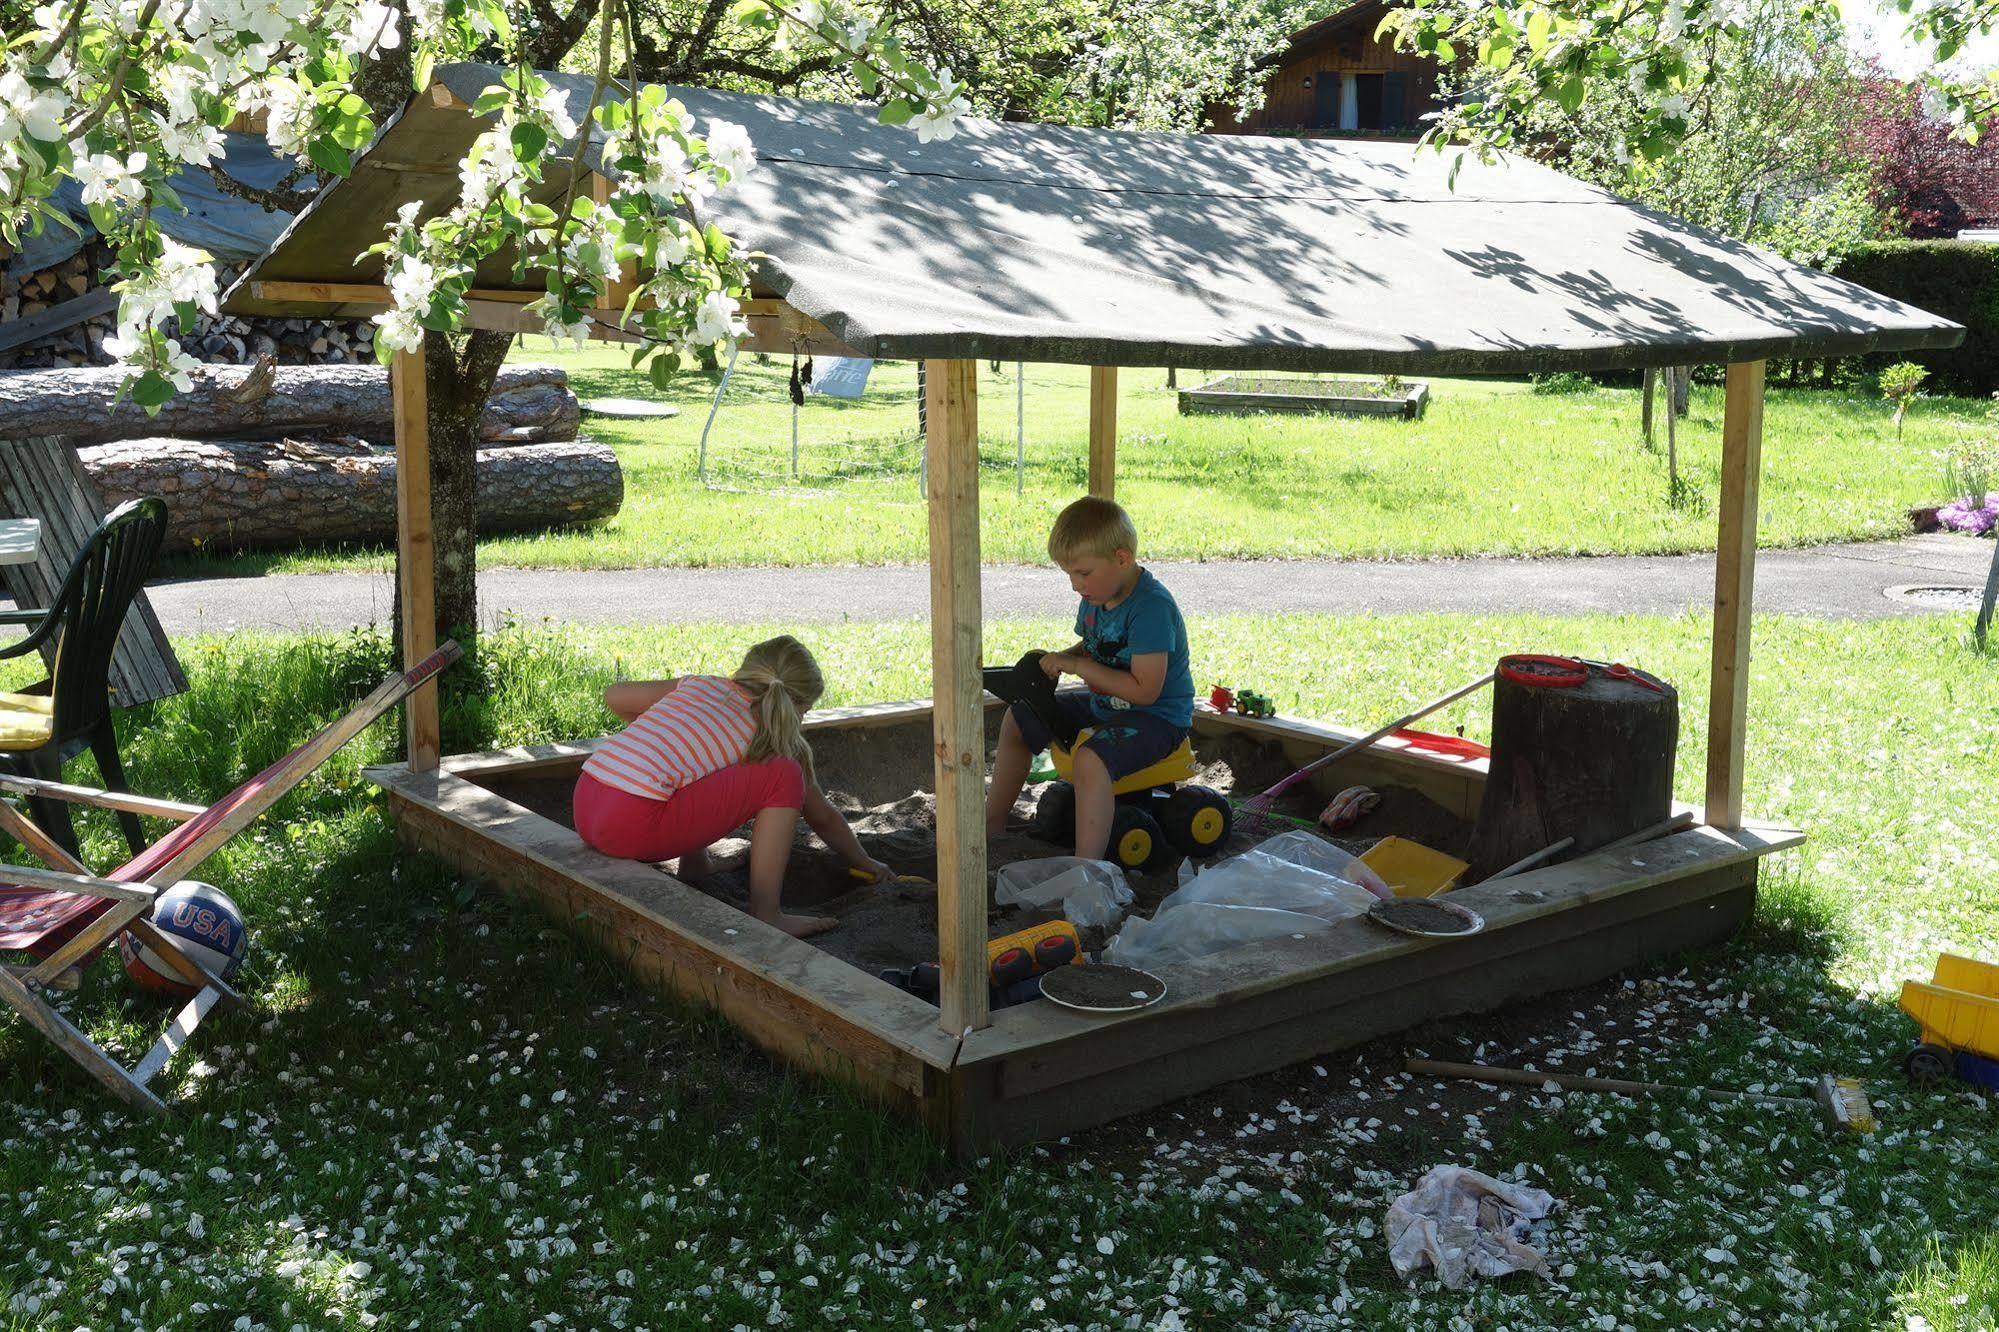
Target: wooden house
1337,79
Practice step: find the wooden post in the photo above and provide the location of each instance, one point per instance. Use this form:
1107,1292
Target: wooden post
416,577
1103,431
952,445
1734,591
1645,405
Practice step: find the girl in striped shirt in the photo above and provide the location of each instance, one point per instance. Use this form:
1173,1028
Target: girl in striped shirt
701,757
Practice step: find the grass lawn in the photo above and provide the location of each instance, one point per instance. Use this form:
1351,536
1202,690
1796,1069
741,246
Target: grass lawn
1492,469
447,1115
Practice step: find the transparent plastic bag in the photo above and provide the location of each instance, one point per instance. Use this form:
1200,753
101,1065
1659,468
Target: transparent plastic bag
1049,882
1196,929
1099,905
1306,851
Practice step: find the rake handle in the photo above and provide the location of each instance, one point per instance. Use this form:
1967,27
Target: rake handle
1574,1082
1374,736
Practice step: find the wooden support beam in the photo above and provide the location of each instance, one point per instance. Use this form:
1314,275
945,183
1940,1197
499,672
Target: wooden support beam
1734,591
179,811
1103,431
416,579
952,393
776,327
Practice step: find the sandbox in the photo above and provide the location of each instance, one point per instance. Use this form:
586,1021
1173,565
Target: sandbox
1038,1070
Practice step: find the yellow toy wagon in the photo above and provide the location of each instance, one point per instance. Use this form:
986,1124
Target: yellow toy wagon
1958,1011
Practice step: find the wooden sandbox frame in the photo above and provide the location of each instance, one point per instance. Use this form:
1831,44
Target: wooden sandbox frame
1036,1070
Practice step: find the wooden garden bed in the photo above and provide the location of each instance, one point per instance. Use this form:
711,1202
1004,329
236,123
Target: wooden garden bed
1039,1071
1343,397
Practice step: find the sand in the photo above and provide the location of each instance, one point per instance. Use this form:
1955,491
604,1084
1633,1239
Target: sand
895,925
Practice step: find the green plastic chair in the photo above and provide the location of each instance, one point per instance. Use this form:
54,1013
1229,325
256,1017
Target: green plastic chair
50,722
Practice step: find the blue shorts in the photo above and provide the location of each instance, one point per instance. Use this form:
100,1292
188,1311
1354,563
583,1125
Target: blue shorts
1133,742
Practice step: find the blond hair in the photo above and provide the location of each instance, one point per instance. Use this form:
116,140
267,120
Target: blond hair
782,677
1091,528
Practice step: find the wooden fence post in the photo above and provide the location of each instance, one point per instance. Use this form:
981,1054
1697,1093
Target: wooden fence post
416,553
1734,591
952,396
1103,431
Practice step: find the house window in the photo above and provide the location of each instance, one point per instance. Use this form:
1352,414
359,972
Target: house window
1360,102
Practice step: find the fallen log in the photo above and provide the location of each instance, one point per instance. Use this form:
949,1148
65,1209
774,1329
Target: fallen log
227,495
529,404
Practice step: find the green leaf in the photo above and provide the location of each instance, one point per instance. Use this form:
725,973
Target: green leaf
663,368
152,391
187,312
1569,93
717,243
329,157
529,141
897,112
1539,28
614,114
492,102
426,60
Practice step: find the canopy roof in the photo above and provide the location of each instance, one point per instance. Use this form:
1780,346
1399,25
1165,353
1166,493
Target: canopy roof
1044,243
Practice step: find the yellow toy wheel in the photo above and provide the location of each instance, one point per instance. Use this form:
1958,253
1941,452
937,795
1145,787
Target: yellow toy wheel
1136,840
1197,820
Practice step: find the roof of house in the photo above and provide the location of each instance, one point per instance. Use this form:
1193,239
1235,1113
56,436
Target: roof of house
1045,243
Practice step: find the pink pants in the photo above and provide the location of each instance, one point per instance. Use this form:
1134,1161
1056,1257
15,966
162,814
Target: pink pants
635,827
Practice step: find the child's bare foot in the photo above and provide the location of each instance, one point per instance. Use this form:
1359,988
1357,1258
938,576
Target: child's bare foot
693,867
802,927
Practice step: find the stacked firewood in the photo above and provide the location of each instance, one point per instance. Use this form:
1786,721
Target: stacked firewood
225,339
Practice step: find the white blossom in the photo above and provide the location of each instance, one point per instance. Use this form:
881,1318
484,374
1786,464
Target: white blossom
729,147
38,112
110,182
190,141
715,318
374,27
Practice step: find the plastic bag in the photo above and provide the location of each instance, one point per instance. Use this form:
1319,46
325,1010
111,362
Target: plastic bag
1046,883
1196,929
1100,905
1307,851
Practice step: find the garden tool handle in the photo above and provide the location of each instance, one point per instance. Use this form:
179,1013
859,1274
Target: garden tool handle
1531,1078
1374,737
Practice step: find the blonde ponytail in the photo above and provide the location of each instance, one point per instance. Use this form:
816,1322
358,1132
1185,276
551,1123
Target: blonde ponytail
785,681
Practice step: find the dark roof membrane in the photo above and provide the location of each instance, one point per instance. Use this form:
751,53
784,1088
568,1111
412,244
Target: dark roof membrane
1046,243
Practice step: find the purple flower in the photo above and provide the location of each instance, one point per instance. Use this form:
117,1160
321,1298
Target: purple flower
1962,515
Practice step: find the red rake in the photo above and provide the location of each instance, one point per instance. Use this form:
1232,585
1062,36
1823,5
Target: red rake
1258,815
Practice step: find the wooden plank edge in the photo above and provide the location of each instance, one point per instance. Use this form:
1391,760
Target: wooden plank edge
748,944
1199,983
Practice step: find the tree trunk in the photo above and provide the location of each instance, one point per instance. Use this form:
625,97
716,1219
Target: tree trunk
533,404
458,382
1593,762
247,494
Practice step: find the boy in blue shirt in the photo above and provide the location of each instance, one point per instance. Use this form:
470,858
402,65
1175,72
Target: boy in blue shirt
1132,660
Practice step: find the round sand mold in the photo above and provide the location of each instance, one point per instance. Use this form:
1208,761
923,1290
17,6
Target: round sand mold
1431,920
1102,989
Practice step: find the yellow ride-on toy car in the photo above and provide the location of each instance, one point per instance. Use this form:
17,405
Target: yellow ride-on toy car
1160,810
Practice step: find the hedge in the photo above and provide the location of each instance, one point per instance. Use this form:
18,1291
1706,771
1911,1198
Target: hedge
1956,279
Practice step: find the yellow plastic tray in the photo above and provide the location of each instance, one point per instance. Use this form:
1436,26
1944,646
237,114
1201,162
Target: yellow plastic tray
1412,869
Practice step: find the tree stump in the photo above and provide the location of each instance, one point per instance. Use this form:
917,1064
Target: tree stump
1593,761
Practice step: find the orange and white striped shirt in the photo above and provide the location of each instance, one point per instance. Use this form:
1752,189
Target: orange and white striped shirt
706,724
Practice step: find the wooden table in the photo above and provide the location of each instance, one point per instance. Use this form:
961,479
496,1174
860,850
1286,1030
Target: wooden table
20,540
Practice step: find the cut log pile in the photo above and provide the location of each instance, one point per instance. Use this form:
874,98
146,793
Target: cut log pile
283,456
252,494
60,316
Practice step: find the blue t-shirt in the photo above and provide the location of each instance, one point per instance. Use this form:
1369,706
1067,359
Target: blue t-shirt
1146,621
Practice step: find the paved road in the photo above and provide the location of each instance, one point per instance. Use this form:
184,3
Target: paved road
1840,582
